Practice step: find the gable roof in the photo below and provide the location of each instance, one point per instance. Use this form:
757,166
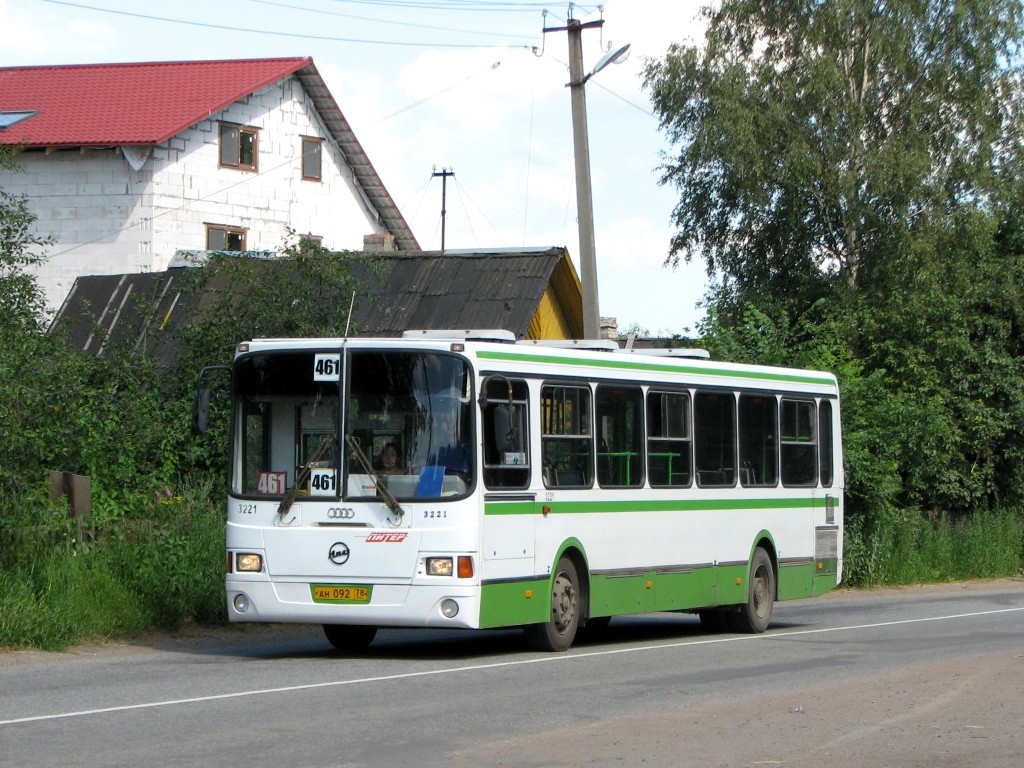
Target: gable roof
461,290
144,104
132,104
513,290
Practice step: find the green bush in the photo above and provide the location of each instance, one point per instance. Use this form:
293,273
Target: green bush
173,563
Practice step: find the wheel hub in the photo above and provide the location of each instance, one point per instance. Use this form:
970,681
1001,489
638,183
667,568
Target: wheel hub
563,603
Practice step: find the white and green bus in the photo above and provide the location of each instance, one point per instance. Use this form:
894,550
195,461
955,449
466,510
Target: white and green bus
469,480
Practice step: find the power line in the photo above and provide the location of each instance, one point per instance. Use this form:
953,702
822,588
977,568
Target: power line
463,196
606,89
376,20
290,161
453,5
273,33
434,95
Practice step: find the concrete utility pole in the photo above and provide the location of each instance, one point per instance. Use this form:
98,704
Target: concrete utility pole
444,173
581,151
584,193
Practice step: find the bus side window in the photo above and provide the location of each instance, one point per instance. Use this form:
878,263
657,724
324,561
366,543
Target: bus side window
759,440
799,449
504,413
620,435
714,422
567,439
669,441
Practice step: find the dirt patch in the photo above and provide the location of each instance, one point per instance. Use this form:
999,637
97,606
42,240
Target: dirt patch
186,638
962,713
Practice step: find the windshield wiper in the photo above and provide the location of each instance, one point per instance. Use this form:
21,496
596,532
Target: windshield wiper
382,489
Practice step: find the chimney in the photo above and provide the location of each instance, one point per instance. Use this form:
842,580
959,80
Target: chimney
609,328
379,241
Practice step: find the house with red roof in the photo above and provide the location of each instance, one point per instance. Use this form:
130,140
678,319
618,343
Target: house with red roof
126,164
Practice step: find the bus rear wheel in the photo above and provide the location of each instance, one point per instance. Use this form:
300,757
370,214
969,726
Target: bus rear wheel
755,615
558,633
349,637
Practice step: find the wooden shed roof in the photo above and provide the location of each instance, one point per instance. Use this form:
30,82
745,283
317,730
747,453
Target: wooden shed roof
418,289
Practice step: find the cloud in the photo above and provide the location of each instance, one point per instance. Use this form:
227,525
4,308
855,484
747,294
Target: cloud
30,37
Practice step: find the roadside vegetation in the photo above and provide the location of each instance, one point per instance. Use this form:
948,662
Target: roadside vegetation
852,174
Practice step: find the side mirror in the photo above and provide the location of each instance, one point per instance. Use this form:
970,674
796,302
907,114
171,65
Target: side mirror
506,435
201,412
201,402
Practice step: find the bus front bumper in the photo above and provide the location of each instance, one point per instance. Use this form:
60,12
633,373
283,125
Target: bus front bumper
446,605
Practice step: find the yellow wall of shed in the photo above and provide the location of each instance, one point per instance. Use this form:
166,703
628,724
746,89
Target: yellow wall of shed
560,312
549,321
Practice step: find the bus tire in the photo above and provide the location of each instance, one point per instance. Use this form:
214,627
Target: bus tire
755,615
557,634
349,637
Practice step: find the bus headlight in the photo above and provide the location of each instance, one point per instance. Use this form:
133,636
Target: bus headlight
440,566
248,562
449,608
241,603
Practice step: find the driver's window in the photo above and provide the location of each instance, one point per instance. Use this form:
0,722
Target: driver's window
505,411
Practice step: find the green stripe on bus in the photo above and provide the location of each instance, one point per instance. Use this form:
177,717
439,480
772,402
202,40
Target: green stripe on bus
643,505
621,364
509,604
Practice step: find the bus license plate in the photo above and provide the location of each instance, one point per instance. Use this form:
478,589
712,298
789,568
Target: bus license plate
341,593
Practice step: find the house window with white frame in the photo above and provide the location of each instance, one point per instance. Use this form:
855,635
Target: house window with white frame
239,145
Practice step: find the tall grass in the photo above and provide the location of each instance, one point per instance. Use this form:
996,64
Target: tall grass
908,547
163,567
128,576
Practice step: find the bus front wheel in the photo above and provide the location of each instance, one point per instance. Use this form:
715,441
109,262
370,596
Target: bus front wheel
558,633
755,615
349,637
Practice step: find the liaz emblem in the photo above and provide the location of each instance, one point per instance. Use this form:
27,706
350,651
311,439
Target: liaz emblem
338,553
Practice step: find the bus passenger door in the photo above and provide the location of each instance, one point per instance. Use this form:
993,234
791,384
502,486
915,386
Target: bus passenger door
509,504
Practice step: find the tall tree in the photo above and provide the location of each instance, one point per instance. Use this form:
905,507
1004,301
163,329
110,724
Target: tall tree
811,135
871,151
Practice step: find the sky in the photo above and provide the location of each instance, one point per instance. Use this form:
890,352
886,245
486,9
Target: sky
470,86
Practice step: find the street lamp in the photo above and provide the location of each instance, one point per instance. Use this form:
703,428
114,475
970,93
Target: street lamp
581,148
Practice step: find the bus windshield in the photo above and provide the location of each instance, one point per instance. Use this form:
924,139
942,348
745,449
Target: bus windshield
411,414
407,425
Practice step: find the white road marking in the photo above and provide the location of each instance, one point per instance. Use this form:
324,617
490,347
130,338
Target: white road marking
549,659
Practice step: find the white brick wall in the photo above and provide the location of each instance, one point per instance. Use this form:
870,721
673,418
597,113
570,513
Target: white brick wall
106,218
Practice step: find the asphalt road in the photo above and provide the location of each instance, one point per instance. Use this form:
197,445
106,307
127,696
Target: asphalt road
920,677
